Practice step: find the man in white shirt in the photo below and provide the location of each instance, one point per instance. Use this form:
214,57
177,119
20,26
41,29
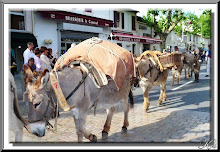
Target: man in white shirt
37,62
28,53
45,60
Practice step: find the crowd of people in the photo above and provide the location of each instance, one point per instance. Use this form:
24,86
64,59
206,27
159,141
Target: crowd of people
39,59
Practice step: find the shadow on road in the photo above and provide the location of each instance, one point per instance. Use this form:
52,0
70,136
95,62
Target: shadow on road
180,126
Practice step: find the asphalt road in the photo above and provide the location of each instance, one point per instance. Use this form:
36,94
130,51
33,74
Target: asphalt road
186,95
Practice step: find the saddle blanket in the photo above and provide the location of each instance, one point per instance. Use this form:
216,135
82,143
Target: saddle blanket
105,56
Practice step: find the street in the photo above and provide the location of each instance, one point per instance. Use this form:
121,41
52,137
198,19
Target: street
184,117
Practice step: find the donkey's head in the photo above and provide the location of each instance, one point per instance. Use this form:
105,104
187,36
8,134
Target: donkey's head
37,101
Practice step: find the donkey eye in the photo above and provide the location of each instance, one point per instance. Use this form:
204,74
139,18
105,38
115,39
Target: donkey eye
36,105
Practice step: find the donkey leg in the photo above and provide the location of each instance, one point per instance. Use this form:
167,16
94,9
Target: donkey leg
126,110
107,123
173,73
19,136
146,87
178,77
163,95
80,121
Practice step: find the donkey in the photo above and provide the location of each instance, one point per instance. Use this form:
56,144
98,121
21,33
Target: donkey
15,125
188,63
39,95
149,75
177,70
196,65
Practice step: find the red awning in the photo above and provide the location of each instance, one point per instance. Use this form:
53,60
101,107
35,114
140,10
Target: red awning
76,18
136,38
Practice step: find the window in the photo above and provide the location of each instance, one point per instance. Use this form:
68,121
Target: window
17,20
116,19
89,10
133,48
122,20
133,23
146,35
142,27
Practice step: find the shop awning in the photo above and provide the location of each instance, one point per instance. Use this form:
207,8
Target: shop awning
23,38
136,38
76,18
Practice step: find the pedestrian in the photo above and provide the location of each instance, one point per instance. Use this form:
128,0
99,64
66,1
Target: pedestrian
52,59
37,61
45,60
176,49
204,56
13,65
28,53
194,53
208,56
32,66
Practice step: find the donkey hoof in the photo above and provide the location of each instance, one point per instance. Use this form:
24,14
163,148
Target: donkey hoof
104,135
159,104
94,139
124,130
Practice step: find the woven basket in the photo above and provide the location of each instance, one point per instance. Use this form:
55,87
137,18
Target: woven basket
170,60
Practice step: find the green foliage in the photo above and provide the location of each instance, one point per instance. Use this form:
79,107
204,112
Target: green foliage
163,21
205,22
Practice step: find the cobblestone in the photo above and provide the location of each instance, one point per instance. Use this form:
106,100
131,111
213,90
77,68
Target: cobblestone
164,125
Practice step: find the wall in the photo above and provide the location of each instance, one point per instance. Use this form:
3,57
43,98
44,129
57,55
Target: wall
104,13
46,29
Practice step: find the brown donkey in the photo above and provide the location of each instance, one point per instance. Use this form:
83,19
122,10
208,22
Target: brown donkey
150,75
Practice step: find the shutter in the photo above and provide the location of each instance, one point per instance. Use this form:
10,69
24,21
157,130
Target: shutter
122,19
115,19
133,23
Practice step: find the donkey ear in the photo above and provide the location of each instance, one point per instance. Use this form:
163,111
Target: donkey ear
28,75
43,79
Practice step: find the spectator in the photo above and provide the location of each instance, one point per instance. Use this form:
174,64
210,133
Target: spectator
13,65
45,60
176,49
204,56
52,59
37,59
194,53
28,53
208,56
31,64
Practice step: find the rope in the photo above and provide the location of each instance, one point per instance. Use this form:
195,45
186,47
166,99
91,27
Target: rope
94,41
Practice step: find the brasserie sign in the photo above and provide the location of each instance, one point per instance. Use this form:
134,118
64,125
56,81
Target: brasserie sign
77,18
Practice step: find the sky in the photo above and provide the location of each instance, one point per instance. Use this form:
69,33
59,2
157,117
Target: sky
198,12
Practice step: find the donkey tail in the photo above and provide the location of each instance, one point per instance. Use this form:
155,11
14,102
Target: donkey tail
131,99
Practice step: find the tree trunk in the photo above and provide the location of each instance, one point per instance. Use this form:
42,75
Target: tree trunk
163,37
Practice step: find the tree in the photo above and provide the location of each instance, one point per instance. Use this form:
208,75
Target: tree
205,22
163,21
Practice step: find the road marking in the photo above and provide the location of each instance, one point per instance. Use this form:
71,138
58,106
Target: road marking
181,85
